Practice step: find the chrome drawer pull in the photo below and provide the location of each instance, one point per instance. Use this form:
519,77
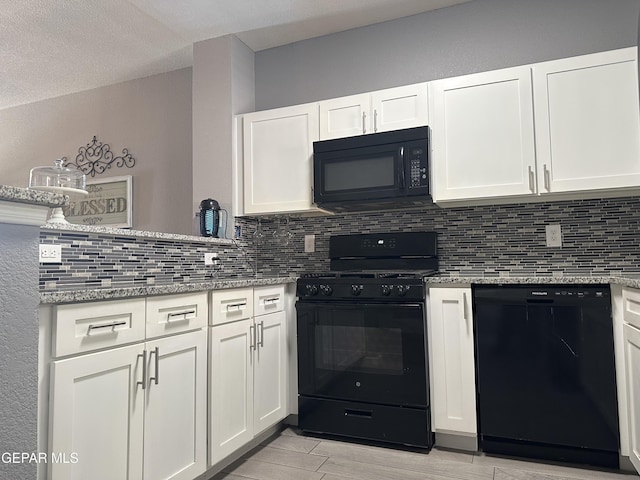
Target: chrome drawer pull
236,306
107,325
171,316
271,301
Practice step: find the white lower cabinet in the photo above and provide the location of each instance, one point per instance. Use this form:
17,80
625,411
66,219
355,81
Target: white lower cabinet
230,387
631,341
632,360
97,415
136,411
175,408
269,377
248,370
451,346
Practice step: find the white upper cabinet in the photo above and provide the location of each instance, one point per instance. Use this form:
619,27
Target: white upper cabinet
482,135
277,159
380,111
587,122
345,116
584,114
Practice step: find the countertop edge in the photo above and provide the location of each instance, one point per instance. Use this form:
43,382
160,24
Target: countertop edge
72,296
618,279
31,197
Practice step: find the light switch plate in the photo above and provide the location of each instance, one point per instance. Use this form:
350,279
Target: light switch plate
309,243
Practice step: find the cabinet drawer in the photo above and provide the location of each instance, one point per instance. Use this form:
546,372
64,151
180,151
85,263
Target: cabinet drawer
631,306
231,305
268,299
83,327
167,314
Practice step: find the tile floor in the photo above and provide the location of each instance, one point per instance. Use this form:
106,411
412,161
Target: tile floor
294,456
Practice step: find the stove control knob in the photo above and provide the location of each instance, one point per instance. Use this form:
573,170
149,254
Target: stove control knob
356,290
311,290
326,290
402,290
385,290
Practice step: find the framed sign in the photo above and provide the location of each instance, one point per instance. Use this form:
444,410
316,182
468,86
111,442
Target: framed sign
108,204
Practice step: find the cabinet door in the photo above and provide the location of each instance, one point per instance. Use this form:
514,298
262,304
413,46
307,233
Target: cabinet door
632,359
270,371
401,107
345,117
452,360
175,432
230,388
587,122
482,135
96,415
278,151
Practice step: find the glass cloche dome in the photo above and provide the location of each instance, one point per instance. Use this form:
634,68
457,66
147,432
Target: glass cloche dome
57,179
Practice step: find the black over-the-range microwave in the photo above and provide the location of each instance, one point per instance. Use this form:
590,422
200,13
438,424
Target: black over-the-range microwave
371,171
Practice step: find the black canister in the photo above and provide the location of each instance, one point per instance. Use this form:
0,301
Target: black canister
209,218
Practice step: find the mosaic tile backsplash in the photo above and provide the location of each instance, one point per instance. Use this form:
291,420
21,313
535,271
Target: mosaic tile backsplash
600,237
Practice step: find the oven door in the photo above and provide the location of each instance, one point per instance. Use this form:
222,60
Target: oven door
365,352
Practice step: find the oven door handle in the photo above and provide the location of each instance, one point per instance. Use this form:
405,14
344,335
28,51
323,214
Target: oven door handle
401,173
351,412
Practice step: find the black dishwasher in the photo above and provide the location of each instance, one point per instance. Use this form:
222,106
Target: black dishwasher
545,373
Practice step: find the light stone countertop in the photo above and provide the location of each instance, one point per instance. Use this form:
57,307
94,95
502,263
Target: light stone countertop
626,280
72,296
125,232
34,197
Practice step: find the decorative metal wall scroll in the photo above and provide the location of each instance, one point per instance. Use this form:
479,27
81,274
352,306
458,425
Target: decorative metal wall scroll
96,157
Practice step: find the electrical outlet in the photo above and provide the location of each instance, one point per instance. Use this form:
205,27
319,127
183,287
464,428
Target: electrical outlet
50,253
554,235
211,259
309,243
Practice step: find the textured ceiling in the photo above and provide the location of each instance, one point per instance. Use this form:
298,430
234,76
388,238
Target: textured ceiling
55,47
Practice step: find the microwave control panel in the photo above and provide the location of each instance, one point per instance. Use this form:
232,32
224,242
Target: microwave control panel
417,161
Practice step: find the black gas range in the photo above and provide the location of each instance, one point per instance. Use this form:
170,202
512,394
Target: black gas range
386,267
362,353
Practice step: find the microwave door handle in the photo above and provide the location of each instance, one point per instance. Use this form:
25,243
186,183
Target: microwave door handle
401,174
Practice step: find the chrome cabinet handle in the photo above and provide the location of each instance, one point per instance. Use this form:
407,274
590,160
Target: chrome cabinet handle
171,316
364,120
261,342
547,178
375,121
108,325
144,370
252,337
156,352
464,306
531,184
271,301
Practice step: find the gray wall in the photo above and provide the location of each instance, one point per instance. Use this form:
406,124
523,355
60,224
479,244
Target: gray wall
151,117
223,85
476,36
18,346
